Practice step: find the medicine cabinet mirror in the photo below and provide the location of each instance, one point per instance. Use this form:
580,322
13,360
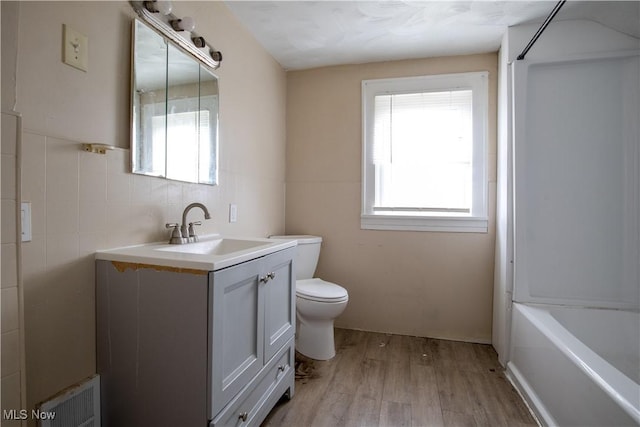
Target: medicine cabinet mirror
174,111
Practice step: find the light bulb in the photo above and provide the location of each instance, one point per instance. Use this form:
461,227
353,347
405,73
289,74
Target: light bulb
187,24
164,7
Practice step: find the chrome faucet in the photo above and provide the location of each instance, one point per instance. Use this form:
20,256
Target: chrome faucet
183,234
189,233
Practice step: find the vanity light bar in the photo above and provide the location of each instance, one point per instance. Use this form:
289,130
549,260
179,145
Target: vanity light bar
190,41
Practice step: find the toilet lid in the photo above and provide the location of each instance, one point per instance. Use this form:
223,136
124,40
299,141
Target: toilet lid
319,290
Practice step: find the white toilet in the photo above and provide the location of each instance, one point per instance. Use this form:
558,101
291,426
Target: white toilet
318,302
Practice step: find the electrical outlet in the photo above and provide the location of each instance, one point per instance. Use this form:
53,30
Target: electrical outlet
75,48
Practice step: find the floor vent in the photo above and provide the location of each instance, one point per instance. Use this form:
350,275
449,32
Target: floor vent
76,406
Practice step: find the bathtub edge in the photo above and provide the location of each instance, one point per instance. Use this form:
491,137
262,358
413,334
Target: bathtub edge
529,397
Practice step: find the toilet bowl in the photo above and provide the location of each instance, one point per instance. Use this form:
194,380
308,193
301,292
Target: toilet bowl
318,302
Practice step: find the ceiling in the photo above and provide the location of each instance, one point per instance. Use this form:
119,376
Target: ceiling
310,34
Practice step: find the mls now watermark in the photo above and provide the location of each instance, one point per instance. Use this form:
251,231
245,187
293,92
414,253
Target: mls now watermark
23,414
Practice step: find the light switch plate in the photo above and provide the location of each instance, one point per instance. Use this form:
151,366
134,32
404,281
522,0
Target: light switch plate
25,212
75,48
233,212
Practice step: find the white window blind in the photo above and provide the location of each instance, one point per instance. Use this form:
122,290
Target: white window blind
182,143
422,151
184,131
425,152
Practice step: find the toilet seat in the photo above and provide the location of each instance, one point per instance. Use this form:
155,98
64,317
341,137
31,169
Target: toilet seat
321,291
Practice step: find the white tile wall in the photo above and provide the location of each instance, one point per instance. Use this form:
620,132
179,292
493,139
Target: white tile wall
9,265
10,396
8,221
9,309
10,380
82,202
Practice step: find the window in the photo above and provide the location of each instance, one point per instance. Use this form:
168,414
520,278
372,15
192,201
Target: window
181,138
425,153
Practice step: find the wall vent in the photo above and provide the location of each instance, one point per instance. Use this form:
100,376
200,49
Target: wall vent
76,406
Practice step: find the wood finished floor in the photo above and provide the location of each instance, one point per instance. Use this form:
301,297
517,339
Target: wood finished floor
394,380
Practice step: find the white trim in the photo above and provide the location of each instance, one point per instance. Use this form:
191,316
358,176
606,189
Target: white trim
164,29
477,222
414,223
529,397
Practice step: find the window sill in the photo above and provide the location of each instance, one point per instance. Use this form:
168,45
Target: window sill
424,223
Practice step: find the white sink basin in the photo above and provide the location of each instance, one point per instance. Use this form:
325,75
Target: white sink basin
209,254
213,247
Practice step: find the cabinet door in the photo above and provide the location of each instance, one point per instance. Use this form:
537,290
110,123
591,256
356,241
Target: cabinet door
236,338
152,346
279,294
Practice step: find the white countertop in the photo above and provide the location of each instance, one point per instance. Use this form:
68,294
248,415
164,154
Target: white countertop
184,256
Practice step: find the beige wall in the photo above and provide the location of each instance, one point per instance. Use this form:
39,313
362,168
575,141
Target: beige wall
416,283
82,202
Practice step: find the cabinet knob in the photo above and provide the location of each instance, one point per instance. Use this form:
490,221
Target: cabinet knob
270,276
243,416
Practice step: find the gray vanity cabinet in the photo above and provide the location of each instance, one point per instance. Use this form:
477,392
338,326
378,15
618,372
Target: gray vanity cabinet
195,348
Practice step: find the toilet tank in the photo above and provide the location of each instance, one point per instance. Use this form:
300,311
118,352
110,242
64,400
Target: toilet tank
307,254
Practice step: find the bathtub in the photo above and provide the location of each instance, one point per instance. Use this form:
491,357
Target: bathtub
577,366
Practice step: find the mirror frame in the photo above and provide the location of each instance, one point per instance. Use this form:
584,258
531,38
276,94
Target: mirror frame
205,63
208,56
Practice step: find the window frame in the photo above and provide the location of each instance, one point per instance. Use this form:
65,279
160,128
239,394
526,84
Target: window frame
477,220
